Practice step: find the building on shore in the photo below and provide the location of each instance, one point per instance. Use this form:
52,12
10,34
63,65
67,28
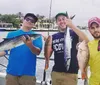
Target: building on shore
6,25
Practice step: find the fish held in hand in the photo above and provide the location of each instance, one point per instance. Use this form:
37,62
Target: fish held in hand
83,58
9,43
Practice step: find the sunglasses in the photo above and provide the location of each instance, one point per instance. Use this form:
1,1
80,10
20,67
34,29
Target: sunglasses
98,46
31,20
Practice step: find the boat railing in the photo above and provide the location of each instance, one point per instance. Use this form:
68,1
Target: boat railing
39,58
44,72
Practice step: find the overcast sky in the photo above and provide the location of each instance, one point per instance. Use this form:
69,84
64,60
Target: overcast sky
83,9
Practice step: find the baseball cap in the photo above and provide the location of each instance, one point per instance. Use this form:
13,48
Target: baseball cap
31,15
61,13
93,20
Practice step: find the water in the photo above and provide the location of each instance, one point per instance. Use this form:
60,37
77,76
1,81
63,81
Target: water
40,62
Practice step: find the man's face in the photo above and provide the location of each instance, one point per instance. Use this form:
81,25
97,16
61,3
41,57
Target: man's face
95,30
61,22
29,22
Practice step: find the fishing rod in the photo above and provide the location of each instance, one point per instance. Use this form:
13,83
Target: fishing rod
44,78
50,16
44,82
44,73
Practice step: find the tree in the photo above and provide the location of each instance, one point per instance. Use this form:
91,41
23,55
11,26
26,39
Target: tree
10,18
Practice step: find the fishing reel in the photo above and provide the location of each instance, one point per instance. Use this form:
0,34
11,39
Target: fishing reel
45,83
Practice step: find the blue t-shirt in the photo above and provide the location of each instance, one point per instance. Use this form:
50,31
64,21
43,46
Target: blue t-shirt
21,60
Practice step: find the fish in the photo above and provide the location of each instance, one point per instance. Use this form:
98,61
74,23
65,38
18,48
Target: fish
67,48
71,17
9,43
83,58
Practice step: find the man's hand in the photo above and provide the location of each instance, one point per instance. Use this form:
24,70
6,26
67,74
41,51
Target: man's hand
27,40
46,65
69,23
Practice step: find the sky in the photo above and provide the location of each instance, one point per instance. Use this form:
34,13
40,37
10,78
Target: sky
83,9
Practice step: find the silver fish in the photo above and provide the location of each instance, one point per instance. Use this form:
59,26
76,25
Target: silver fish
67,48
9,43
83,58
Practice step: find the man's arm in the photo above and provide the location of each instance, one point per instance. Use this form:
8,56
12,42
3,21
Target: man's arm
33,48
48,51
81,35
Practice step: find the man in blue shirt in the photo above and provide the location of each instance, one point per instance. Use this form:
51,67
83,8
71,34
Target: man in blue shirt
21,69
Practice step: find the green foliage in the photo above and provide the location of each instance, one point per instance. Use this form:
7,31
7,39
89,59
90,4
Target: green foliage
10,18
